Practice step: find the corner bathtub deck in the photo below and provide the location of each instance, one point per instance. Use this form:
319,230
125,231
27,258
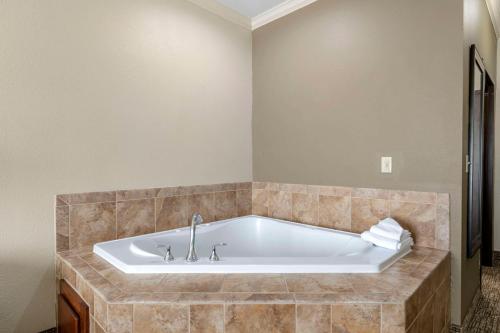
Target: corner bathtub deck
410,296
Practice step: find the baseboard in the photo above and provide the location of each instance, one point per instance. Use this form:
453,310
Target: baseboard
50,330
496,258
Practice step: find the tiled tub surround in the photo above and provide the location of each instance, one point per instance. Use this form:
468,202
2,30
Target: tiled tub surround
84,219
87,218
410,296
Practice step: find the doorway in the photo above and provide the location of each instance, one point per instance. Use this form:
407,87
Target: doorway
480,160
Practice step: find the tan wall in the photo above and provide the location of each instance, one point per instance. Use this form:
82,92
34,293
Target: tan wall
341,83
99,95
478,30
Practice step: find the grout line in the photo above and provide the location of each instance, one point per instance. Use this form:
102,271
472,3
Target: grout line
189,317
296,310
331,318
381,319
116,220
69,228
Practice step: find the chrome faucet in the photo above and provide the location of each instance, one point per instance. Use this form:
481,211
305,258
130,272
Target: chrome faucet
191,256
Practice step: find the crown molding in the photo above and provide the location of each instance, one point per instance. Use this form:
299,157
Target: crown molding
227,13
279,11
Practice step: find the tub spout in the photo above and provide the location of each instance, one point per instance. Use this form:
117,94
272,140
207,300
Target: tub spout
191,256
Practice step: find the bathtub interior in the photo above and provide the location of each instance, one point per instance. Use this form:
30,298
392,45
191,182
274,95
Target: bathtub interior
254,244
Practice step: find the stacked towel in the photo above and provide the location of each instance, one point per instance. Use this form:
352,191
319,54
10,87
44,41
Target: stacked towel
388,234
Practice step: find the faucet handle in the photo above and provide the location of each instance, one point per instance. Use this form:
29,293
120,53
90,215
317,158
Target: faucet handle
214,256
167,252
196,219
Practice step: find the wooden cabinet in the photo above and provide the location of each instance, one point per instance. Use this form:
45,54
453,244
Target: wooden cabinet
73,312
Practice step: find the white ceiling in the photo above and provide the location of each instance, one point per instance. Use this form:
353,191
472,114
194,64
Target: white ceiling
251,8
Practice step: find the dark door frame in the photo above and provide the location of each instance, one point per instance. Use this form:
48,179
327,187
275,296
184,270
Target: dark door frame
487,231
480,160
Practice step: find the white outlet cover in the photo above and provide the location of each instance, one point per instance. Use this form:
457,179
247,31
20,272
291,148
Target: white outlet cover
386,164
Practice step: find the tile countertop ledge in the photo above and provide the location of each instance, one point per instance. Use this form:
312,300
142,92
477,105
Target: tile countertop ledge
423,268
408,285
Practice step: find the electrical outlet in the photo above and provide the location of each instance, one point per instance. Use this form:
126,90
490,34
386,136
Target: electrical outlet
386,164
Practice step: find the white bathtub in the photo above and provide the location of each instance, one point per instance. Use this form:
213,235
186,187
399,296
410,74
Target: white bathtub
255,245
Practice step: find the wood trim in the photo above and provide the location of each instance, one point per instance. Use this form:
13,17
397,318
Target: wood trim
71,297
279,11
68,319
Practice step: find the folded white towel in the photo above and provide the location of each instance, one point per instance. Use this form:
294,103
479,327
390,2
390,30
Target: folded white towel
387,243
391,223
407,243
388,232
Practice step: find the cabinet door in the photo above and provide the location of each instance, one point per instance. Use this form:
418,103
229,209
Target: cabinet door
68,319
73,311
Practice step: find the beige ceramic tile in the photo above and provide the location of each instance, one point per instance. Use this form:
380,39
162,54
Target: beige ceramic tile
393,318
246,186
335,191
441,306
120,318
62,228
371,193
313,318
97,328
171,213
383,283
202,204
259,185
169,192
260,318
134,282
443,199
335,212
317,283
355,318
259,298
68,274
207,318
260,202
135,217
225,205
425,320
192,283
91,223
244,202
97,262
100,310
225,187
280,205
305,208
420,219
273,186
254,283
412,196
125,195
156,318
61,200
86,292
86,198
293,188
442,232
367,212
